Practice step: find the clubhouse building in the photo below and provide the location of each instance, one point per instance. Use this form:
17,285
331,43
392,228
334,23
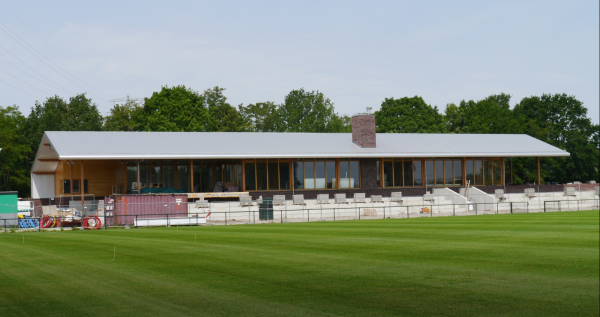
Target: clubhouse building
101,164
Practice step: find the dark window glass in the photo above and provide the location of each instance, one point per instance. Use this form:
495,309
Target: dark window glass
309,174
131,178
169,176
418,173
298,167
183,178
273,175
487,172
398,174
470,172
458,177
284,175
250,176
331,177
67,186
207,178
439,172
429,172
408,173
85,186
145,176
197,184
388,168
156,176
378,174
478,172
261,175
448,172
355,173
75,186
497,172
344,174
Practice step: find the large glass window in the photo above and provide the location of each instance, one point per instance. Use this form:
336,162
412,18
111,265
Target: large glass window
430,172
298,174
331,174
388,171
320,174
470,172
408,173
131,178
439,172
273,174
250,169
354,173
284,175
169,176
418,172
484,171
497,170
398,179
261,175
458,176
183,178
309,174
448,172
487,171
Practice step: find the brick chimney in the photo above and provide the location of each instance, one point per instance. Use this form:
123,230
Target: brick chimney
363,130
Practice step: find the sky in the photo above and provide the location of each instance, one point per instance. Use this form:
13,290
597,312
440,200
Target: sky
357,53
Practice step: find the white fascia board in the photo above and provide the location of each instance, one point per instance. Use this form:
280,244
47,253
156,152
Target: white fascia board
303,155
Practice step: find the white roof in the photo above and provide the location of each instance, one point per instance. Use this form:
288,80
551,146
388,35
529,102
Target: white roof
68,145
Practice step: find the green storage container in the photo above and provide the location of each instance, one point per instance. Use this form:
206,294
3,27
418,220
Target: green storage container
8,202
265,209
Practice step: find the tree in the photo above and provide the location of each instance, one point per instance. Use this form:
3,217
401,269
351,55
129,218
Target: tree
262,116
222,116
408,115
14,168
123,117
56,114
174,108
490,115
304,111
562,121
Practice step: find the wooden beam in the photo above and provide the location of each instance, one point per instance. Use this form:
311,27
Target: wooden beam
503,171
82,187
43,173
191,176
138,175
71,179
539,178
49,160
243,175
511,172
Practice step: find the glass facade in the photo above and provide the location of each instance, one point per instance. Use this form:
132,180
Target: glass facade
484,171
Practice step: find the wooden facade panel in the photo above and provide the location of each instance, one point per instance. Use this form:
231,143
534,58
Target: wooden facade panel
101,176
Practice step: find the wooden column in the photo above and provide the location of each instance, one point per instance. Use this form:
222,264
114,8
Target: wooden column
71,168
511,172
464,171
503,172
191,176
381,183
81,187
243,175
538,170
138,175
337,173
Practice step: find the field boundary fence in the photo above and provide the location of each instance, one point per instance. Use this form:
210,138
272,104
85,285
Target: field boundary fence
168,214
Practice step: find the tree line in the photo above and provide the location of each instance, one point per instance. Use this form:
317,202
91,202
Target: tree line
558,119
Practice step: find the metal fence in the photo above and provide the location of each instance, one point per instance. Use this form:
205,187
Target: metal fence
228,213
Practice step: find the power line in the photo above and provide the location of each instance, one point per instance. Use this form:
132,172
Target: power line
19,89
65,77
41,81
65,55
34,70
9,74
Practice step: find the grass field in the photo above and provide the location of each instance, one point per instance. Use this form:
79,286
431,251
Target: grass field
544,264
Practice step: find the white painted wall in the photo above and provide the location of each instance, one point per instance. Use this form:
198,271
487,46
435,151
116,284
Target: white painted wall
42,186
